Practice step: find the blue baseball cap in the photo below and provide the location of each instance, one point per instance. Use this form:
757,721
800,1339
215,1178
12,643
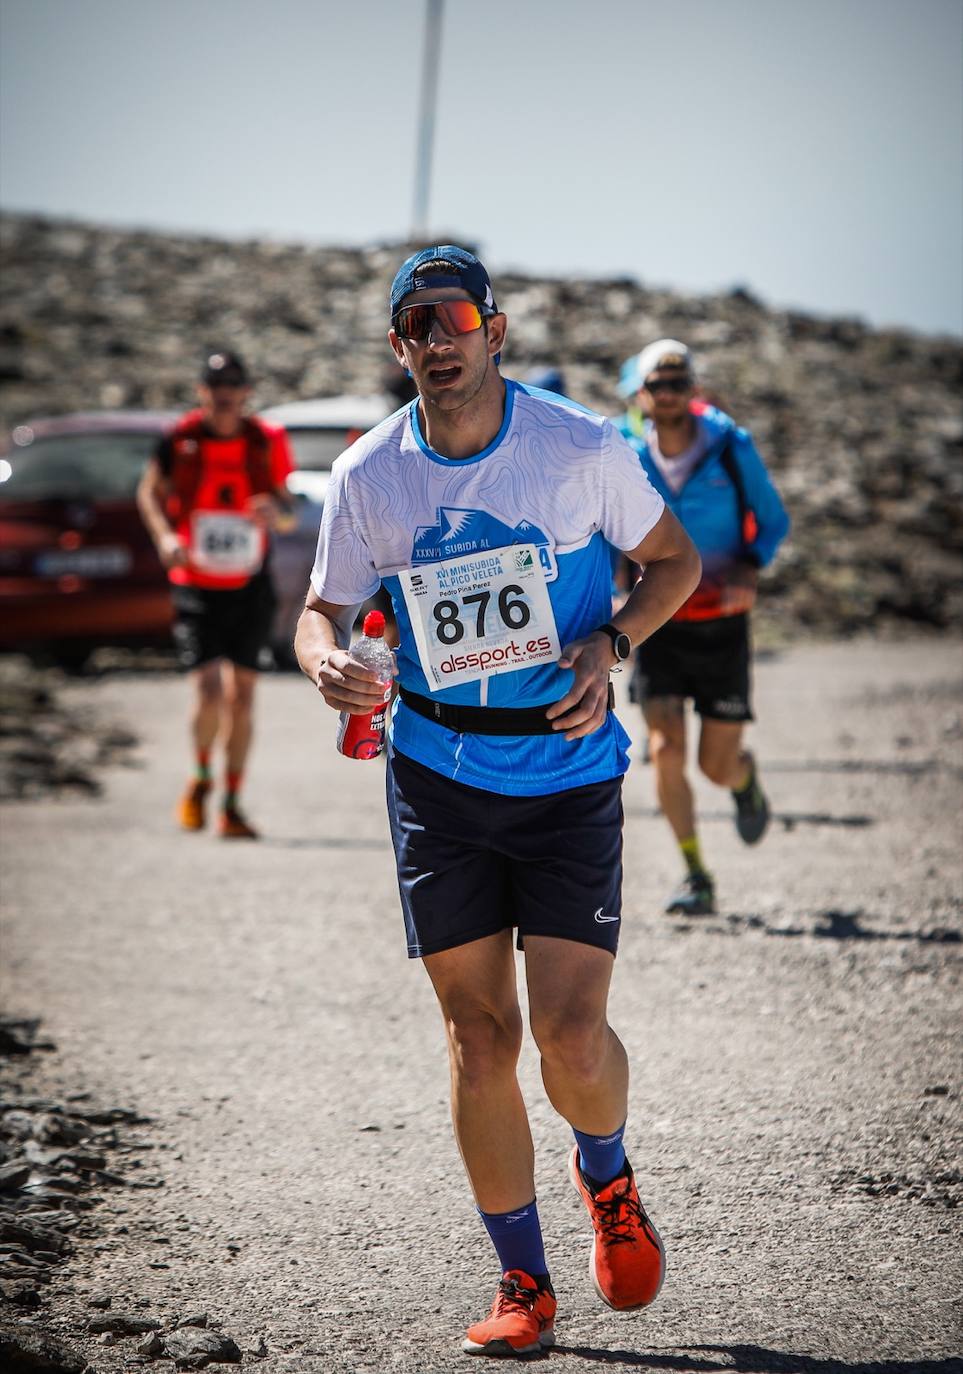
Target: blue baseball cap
464,270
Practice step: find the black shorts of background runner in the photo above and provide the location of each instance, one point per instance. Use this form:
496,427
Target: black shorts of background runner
472,862
235,625
707,660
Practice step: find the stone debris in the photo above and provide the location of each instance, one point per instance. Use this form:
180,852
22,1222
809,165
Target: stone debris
861,427
45,747
122,1324
25,1350
193,1347
52,1157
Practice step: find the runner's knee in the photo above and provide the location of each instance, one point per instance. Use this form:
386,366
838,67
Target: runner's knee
483,1046
667,753
209,692
719,765
572,1041
240,696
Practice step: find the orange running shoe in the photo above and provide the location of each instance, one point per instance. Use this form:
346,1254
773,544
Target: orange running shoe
190,808
231,825
627,1263
520,1322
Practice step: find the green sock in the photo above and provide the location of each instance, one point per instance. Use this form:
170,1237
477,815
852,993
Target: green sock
692,855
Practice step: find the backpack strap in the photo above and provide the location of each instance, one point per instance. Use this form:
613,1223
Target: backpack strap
748,524
258,456
185,466
187,462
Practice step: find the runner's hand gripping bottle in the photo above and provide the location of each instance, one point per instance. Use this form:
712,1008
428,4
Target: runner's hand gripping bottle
363,737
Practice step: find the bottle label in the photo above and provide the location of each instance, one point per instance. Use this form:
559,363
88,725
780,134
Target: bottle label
363,737
481,614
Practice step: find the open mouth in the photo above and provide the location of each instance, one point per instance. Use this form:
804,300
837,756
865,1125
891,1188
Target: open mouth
444,376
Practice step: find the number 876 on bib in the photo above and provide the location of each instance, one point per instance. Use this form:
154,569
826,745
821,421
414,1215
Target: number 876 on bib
481,614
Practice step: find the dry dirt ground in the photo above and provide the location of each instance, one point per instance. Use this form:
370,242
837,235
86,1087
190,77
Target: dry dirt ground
795,1119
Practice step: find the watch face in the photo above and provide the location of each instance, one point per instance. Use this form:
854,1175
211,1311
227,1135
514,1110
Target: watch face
623,647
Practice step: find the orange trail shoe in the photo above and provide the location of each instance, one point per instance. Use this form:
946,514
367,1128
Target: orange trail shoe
190,808
520,1322
627,1263
231,825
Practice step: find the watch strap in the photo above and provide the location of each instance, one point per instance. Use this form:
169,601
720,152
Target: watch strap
615,635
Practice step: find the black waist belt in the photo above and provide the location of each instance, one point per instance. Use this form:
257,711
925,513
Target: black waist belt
485,720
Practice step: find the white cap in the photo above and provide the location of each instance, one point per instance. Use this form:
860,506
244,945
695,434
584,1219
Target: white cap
662,353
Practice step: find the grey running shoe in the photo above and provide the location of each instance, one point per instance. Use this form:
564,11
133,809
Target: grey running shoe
695,896
752,810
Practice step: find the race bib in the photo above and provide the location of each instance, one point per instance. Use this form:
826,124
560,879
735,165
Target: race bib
223,543
482,614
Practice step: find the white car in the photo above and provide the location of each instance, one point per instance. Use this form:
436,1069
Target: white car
319,431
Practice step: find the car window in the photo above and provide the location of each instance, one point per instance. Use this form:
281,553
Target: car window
93,467
316,449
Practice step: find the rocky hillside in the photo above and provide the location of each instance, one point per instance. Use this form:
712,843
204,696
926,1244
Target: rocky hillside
863,428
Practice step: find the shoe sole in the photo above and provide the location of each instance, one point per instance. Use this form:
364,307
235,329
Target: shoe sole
501,1350
630,1307
677,910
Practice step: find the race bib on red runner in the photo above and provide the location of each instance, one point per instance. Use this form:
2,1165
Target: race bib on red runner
488,612
225,544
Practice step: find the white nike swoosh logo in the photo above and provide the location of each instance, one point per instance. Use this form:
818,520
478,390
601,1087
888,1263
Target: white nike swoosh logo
602,919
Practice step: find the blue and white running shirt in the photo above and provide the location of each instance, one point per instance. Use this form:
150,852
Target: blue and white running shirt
556,477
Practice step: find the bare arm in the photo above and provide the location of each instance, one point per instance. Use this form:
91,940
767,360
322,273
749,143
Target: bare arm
152,494
324,631
672,570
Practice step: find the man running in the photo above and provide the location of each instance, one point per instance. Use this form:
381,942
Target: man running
210,496
709,473
485,509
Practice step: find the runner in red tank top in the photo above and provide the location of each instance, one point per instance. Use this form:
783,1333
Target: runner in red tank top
210,497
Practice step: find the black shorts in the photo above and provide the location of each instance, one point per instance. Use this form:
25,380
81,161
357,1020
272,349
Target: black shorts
472,863
707,660
235,625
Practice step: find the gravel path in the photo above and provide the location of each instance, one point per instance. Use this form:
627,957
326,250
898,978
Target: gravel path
795,1120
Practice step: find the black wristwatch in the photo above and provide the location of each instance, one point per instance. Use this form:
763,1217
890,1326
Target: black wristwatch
620,641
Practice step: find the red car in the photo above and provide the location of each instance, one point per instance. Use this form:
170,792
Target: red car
77,566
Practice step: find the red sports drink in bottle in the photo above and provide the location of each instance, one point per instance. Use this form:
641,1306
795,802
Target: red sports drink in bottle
363,737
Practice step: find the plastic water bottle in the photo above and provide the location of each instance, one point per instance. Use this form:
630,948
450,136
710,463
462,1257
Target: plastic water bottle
363,737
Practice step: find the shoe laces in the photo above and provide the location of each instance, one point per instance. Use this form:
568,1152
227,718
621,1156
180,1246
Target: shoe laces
620,1218
513,1297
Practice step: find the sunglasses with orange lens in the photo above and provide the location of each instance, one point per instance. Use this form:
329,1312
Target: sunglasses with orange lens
414,322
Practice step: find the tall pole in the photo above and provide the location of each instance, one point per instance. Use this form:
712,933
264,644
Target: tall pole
426,117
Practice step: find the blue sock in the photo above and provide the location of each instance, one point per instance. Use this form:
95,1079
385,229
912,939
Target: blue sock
517,1237
601,1157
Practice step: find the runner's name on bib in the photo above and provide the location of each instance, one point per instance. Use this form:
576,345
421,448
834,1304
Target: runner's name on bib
488,612
225,543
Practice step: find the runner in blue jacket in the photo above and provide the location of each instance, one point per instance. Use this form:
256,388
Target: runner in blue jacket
710,475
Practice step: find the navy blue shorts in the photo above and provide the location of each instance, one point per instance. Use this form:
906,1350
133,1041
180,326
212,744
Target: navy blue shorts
472,863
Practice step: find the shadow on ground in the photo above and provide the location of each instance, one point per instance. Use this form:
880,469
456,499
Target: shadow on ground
787,819
830,925
752,1359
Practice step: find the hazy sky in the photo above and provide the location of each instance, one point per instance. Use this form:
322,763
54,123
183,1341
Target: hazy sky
813,151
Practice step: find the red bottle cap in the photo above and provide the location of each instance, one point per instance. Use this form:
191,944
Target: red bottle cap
374,625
